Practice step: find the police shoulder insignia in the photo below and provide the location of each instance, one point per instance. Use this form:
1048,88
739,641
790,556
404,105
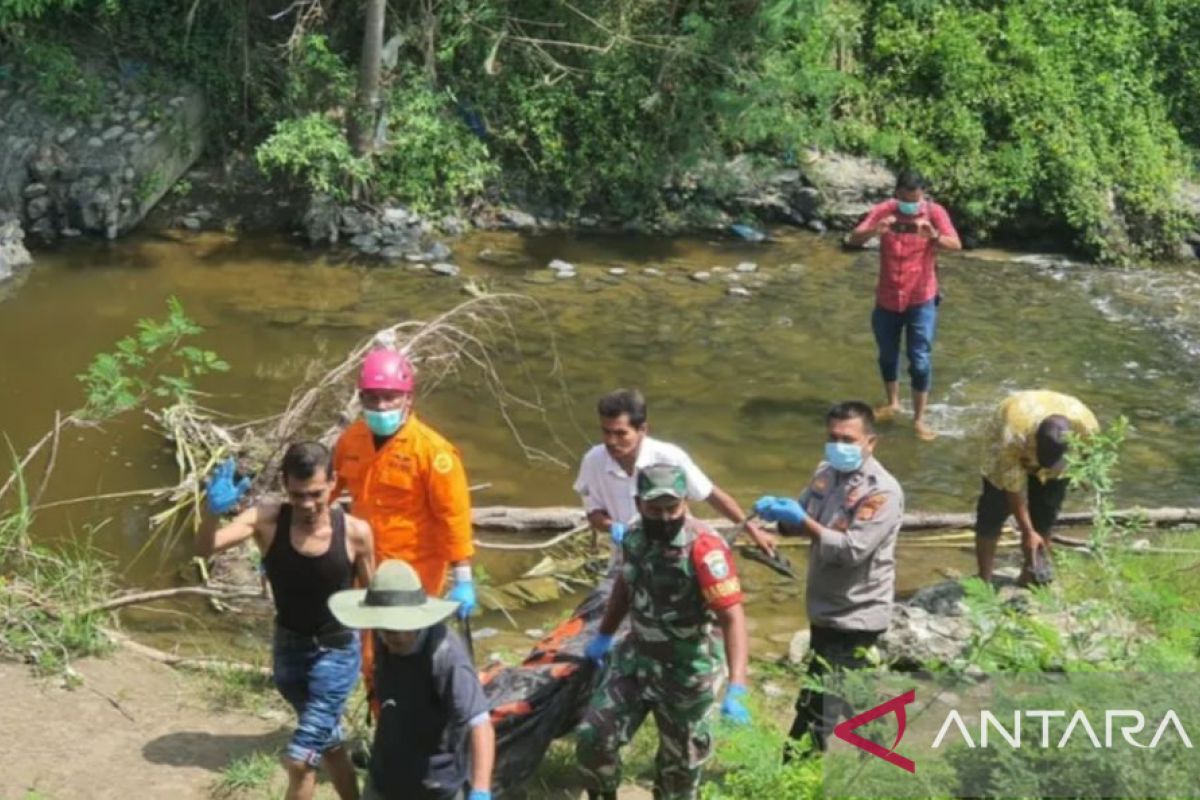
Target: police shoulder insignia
443,463
870,507
718,565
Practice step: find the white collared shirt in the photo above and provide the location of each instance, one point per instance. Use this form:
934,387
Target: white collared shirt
605,486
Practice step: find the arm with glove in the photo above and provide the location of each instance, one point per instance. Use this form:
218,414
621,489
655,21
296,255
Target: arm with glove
599,645
733,629
222,494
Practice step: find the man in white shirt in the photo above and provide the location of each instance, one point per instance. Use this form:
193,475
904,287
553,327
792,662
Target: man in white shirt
608,473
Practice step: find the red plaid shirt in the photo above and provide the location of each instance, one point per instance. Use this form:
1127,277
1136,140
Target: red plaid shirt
907,261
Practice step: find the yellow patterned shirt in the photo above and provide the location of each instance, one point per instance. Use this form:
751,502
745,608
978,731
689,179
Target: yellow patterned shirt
1010,441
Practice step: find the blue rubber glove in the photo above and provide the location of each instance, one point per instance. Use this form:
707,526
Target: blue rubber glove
463,593
780,509
220,492
479,794
617,529
597,648
732,708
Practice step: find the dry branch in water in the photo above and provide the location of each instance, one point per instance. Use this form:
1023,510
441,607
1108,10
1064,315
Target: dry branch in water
477,337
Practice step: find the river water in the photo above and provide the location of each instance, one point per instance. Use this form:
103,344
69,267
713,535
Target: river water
742,383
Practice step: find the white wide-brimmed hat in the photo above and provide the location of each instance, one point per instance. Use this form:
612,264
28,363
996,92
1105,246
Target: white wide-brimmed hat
394,601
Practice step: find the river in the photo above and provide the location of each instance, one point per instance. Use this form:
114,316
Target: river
741,382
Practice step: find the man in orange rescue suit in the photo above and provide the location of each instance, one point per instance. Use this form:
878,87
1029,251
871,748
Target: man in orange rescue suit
408,482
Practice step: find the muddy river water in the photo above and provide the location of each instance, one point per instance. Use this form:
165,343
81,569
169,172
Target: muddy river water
741,382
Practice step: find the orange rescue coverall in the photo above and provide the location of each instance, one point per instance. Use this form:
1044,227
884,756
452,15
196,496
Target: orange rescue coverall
414,494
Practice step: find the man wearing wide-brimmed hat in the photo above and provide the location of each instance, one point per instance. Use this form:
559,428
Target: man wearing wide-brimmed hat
430,699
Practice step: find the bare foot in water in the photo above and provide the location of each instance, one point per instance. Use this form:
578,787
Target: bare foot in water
886,413
924,432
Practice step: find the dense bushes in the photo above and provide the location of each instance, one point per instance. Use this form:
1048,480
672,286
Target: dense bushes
1076,116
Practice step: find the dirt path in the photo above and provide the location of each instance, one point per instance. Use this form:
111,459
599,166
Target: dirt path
136,729
133,729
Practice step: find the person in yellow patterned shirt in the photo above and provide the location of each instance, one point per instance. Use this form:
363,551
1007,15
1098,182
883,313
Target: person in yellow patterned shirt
1025,448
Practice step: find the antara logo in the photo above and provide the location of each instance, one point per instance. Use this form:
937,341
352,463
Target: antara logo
845,730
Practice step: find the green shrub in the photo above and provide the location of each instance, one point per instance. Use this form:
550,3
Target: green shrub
431,159
314,150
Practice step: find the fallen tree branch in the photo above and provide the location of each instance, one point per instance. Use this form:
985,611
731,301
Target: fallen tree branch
182,662
532,545
163,594
560,518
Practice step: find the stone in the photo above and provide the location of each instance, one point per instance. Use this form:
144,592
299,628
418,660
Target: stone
37,207
33,190
558,265
191,223
535,633
565,273
363,241
397,215
652,272
816,226
442,268
747,266
701,276
12,245
798,646
129,137
738,291
393,253
129,174
517,220
806,201
616,271
115,132
65,135
353,221
438,251
95,141
71,233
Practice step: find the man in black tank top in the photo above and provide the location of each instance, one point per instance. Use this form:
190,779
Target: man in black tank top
310,550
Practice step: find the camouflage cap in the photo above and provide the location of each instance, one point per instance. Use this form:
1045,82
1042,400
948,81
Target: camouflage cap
661,480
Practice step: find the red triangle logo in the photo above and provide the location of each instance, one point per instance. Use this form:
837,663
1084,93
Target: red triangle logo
845,730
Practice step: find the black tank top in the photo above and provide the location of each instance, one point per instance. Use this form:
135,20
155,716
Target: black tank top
302,584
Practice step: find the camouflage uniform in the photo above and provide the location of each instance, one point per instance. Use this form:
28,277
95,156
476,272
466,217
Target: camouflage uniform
670,663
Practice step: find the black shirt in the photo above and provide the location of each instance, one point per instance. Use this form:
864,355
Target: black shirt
426,700
302,584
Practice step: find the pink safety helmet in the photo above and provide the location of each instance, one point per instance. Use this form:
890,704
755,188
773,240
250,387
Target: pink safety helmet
386,369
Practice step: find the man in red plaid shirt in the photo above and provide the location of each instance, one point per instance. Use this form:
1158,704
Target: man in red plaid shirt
911,229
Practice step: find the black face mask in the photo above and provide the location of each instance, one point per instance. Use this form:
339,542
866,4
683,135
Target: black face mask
661,530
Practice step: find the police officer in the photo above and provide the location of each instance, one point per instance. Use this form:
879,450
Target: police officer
851,511
677,578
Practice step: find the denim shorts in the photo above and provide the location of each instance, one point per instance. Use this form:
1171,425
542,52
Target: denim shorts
316,680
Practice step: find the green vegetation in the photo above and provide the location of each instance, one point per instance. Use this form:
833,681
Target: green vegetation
1072,118
251,775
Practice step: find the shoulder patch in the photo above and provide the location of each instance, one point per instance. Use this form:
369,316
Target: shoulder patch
870,507
443,463
717,564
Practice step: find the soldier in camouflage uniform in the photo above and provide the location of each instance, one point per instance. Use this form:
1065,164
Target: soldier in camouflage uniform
677,578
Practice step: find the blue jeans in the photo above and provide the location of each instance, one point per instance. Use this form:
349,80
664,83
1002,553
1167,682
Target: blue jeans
316,681
919,324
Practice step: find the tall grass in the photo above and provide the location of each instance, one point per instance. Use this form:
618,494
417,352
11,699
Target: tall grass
45,594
